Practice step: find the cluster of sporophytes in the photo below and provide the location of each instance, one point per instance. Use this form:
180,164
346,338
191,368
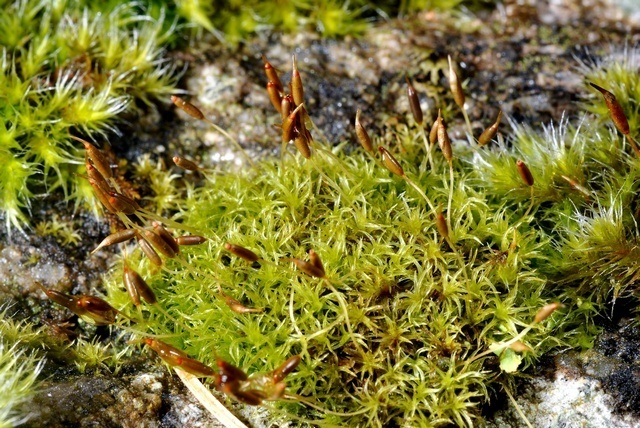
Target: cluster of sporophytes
395,284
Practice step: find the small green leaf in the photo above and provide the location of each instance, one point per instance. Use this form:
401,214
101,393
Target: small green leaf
509,361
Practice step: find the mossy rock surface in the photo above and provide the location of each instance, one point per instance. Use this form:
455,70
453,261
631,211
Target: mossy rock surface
533,80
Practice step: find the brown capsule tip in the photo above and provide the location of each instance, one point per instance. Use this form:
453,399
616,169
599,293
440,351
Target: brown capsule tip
441,225
524,172
238,307
302,145
229,373
272,74
309,268
274,96
615,110
363,136
191,240
414,102
314,258
456,87
148,250
490,133
99,161
241,252
433,134
546,311
122,203
185,163
96,309
134,295
285,368
166,236
115,238
187,107
160,244
444,141
297,89
390,162
520,347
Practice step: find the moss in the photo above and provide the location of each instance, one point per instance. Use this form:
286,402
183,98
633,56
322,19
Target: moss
69,68
404,328
75,67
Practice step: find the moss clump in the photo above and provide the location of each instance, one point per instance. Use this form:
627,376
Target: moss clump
18,374
69,68
402,333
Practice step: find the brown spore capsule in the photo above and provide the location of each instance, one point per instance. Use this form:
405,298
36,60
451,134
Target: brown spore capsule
390,162
187,107
456,87
148,250
414,102
102,195
296,84
98,179
185,163
314,258
122,203
159,244
433,133
136,285
490,133
274,96
285,368
166,236
302,145
236,306
524,172
241,252
363,136
190,240
97,309
116,238
615,110
309,268
441,225
176,358
272,74
132,290
546,311
285,106
97,158
444,141
288,125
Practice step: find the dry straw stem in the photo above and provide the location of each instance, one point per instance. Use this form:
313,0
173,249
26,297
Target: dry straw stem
208,401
